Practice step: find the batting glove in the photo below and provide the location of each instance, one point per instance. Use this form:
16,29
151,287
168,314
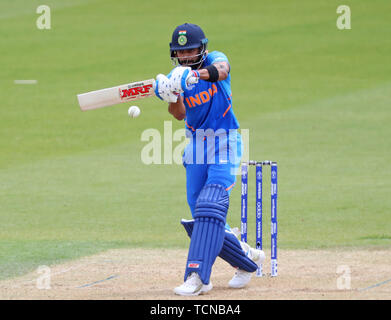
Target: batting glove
184,78
163,91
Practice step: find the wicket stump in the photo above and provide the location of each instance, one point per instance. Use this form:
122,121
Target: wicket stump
259,209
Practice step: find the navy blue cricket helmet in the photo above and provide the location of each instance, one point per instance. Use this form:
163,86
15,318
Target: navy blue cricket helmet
188,36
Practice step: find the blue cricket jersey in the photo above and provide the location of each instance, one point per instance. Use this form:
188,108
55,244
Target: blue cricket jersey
209,105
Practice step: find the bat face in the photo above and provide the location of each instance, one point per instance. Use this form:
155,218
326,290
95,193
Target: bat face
111,96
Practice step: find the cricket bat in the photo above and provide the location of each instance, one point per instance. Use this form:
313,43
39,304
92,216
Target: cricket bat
115,95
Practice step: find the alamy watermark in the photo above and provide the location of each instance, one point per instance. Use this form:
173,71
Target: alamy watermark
200,146
43,281
44,21
345,278
344,20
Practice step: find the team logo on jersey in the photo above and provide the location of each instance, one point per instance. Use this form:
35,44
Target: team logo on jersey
182,39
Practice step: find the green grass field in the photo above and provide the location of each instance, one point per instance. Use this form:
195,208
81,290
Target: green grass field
316,99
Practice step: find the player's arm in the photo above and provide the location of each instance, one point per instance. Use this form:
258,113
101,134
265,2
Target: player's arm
177,109
216,72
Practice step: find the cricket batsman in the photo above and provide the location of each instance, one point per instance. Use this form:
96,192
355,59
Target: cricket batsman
198,91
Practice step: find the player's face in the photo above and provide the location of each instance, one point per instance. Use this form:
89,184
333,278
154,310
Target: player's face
188,56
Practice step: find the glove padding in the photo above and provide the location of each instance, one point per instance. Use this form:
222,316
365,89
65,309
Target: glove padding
163,89
183,78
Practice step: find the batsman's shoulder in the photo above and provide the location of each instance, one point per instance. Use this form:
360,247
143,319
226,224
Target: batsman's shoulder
216,56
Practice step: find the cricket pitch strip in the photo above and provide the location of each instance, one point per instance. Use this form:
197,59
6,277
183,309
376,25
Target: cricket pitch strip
141,274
